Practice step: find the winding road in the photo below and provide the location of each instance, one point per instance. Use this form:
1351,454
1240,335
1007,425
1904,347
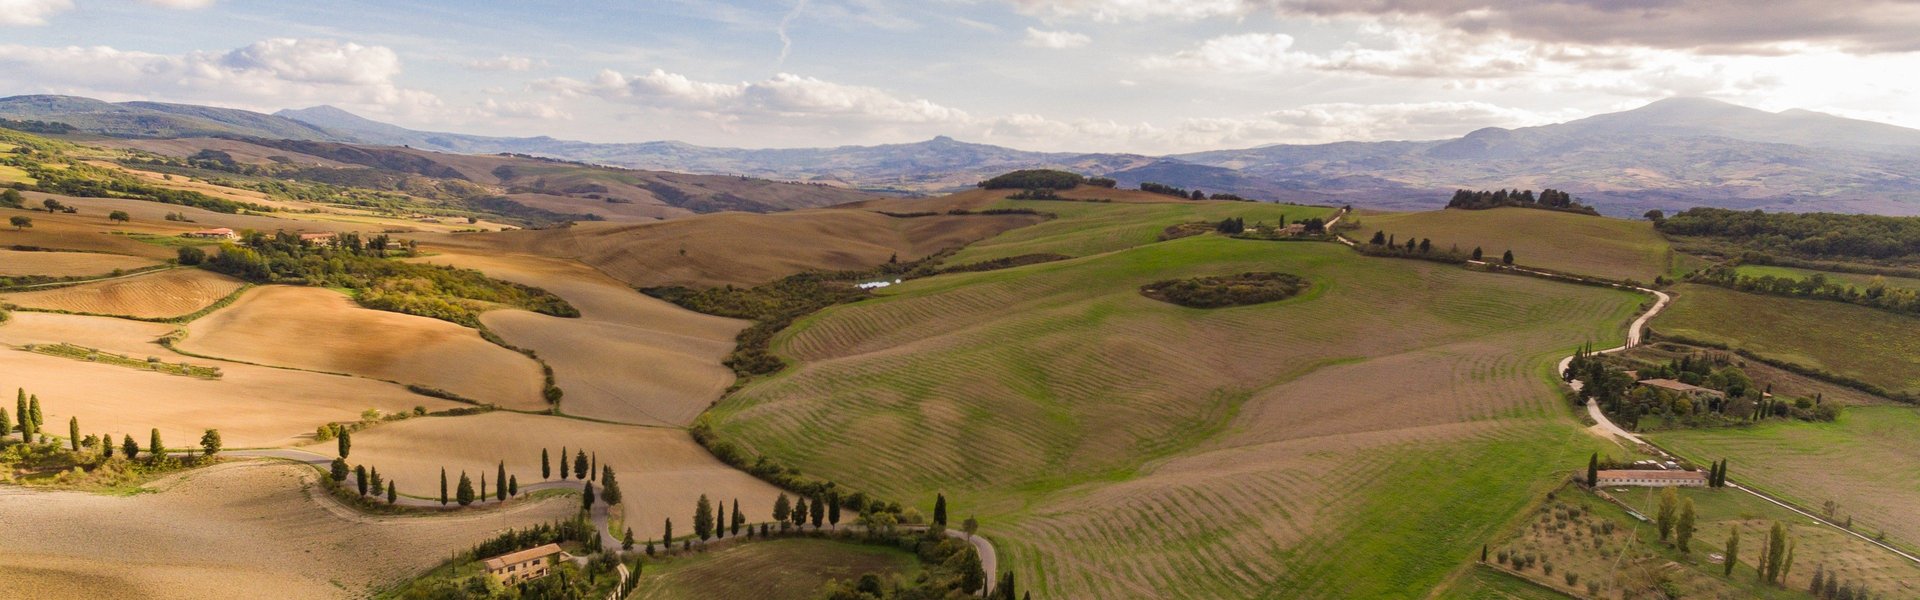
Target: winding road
1634,338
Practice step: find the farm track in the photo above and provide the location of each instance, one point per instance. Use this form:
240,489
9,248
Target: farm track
1634,333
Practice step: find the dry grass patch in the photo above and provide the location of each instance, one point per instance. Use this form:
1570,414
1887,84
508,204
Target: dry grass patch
252,406
323,330
226,532
662,472
67,264
628,357
165,294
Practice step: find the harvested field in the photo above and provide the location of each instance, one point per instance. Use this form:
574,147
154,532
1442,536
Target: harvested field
159,295
662,472
1868,462
1567,242
1260,447
252,406
323,330
225,532
67,264
740,248
783,569
629,357
1876,346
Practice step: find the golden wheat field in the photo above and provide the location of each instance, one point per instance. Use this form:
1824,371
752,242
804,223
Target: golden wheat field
323,330
243,530
629,357
661,471
67,264
157,295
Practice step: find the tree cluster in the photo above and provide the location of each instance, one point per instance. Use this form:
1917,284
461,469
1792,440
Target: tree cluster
1807,235
1389,245
1034,179
1876,294
1167,190
1226,290
1549,199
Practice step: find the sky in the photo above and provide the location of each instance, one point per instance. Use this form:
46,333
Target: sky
1146,76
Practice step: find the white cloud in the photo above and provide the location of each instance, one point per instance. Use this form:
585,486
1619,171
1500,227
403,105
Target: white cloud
505,63
1309,124
1039,38
1133,10
31,12
180,4
265,75
784,96
522,110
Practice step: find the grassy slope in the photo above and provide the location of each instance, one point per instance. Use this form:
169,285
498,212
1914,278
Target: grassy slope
1048,398
1086,228
1868,461
1855,279
781,569
1614,248
1875,346
1488,584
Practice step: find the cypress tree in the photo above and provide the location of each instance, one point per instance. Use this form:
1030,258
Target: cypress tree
703,518
1733,551
345,441
210,442
546,469
73,433
611,485
1819,581
799,513
580,464
20,408
339,470
443,486
833,510
154,446
1683,531
593,469
1507,258
39,420
464,493
513,485
1593,470
1786,565
106,446
940,510
500,481
587,497
626,541
738,519
393,493
666,534
128,447
360,478
379,485
720,519
563,462
1379,237
1476,253
1669,505
819,512
6,424
483,487
781,506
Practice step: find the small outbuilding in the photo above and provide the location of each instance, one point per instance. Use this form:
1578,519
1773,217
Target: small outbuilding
1681,388
211,234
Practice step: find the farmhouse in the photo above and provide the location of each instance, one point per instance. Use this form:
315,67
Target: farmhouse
317,238
1653,478
1681,388
531,563
216,234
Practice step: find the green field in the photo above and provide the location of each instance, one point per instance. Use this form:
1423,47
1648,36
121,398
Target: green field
1087,228
1854,279
1875,346
1487,583
1868,462
785,569
1574,243
1116,446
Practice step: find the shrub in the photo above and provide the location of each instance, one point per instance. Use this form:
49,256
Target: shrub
1034,179
1228,290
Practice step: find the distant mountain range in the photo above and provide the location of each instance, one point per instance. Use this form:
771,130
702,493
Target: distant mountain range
1669,154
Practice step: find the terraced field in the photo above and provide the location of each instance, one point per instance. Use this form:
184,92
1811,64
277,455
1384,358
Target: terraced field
158,295
1115,446
322,330
1588,245
1876,346
789,569
1868,462
67,264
